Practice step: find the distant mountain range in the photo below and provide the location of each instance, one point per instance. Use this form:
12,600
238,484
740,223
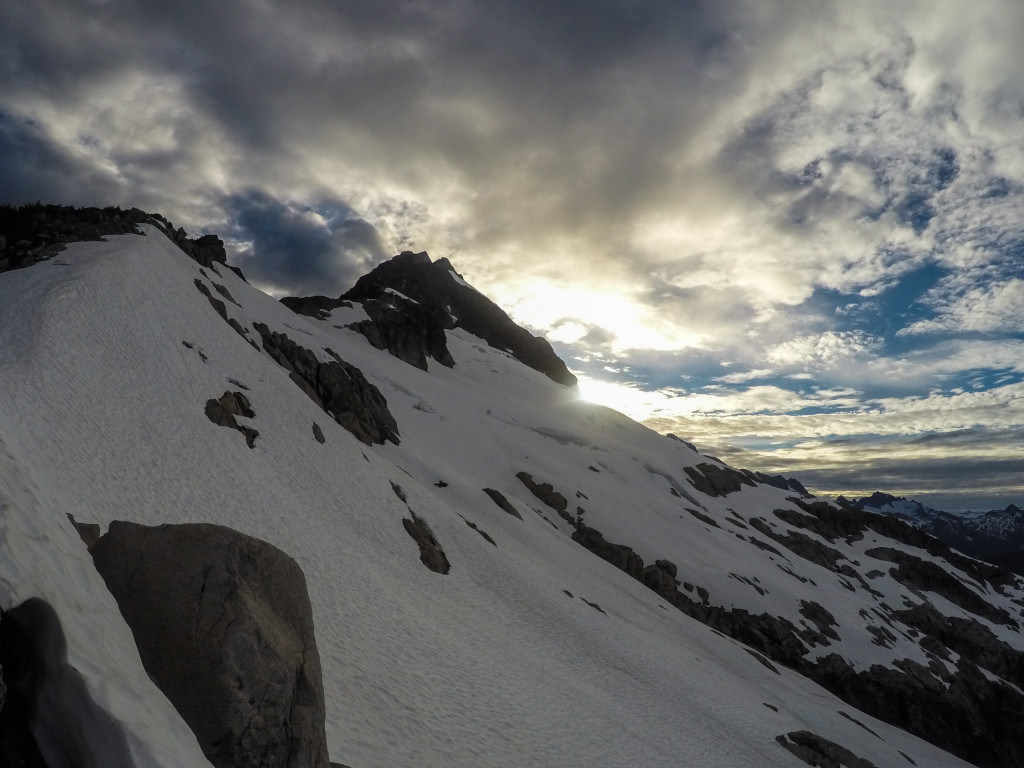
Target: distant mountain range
996,536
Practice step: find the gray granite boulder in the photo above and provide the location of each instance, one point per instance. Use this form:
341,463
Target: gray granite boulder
224,627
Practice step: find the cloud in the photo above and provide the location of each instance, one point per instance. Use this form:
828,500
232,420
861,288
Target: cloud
711,197
824,350
991,308
297,249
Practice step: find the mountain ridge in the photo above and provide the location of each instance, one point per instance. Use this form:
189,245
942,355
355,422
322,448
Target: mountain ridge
996,536
529,649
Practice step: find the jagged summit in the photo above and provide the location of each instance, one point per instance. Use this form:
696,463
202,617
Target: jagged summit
445,301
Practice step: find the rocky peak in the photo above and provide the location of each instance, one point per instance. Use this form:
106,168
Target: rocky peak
447,301
877,500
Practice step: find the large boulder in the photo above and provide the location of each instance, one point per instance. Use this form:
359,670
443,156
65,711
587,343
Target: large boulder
224,627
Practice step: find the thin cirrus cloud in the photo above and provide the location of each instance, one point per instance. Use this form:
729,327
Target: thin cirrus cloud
792,210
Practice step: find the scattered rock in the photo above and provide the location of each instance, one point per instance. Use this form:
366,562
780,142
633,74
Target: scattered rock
547,494
398,491
816,750
338,388
702,517
318,434
715,480
595,606
762,660
619,555
483,533
431,553
223,411
499,498
224,627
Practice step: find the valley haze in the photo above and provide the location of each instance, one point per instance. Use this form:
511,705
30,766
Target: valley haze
787,231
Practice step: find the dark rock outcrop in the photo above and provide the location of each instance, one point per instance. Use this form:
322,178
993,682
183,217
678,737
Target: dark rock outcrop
410,331
443,301
33,233
89,533
619,555
431,553
783,483
223,410
715,480
338,388
504,504
547,494
819,751
997,536
49,719
437,285
224,627
924,575
317,307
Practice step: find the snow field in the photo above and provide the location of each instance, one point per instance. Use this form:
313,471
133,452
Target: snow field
491,665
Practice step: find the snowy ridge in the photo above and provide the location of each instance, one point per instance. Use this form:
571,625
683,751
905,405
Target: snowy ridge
532,650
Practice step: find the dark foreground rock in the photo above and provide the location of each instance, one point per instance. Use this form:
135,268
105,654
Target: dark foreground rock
224,627
49,719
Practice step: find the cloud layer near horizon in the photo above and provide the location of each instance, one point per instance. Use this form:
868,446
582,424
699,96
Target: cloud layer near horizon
721,203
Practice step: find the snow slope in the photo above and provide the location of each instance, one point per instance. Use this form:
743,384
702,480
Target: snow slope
107,356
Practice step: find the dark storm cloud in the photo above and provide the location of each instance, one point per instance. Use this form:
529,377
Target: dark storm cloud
301,249
35,168
700,173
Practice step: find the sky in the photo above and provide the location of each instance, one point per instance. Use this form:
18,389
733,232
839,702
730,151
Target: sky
789,232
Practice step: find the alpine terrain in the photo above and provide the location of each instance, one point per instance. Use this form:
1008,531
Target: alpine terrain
996,536
498,572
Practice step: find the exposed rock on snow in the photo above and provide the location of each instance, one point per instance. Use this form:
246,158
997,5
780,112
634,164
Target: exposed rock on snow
715,480
223,410
431,553
410,331
816,750
925,575
504,504
547,494
339,388
223,624
619,555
